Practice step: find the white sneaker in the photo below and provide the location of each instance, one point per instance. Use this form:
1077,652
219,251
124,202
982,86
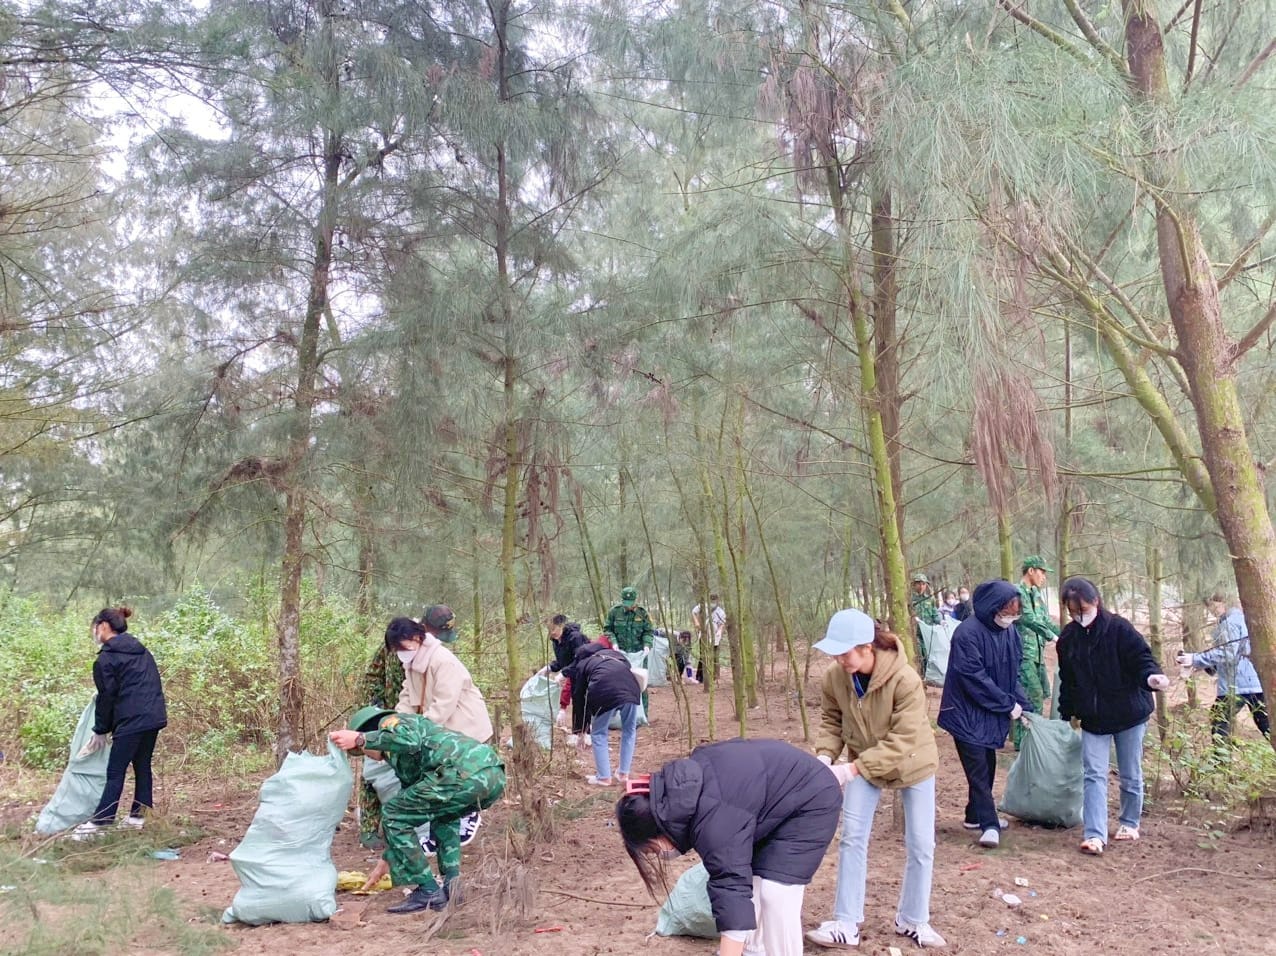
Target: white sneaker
132,823
834,934
920,933
990,838
87,831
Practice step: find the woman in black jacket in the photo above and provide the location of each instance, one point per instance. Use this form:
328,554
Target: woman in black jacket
603,684
760,813
130,709
1106,677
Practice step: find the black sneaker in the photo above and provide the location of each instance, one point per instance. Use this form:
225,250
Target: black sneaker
421,899
469,826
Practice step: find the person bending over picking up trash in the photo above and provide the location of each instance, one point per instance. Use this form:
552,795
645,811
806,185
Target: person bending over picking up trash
445,775
760,813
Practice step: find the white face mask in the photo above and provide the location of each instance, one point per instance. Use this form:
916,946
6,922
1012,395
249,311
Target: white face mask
1005,620
406,656
1088,616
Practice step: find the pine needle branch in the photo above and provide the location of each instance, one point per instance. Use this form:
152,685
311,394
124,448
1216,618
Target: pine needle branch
1239,263
1250,338
1256,63
1096,41
1036,26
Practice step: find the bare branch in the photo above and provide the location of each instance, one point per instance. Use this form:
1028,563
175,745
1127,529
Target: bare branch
1238,264
1250,338
1092,35
1036,26
1256,63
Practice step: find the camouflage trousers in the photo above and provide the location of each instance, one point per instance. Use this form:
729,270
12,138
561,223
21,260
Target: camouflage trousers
1036,684
369,816
440,799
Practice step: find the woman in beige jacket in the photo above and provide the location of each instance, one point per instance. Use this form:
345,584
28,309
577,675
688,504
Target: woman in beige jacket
874,708
435,682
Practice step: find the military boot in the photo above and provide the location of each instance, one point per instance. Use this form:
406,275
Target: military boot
421,899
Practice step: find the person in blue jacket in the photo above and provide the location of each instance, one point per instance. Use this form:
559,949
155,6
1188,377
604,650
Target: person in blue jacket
1229,658
761,814
982,695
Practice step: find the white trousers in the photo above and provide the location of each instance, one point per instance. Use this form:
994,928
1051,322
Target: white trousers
777,907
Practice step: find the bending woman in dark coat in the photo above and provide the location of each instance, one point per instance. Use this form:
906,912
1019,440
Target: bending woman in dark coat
130,710
760,813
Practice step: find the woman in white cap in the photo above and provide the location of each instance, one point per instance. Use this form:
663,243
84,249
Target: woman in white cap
874,707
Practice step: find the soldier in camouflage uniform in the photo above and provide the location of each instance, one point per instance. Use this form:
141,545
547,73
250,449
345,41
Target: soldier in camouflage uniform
629,629
922,601
445,775
381,684
1036,630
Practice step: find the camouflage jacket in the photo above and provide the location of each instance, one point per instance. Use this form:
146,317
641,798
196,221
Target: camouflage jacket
382,680
1034,625
923,608
417,747
630,627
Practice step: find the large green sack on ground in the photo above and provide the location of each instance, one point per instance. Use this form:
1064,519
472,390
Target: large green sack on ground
658,669
938,639
81,785
1054,696
1045,783
538,703
687,911
284,862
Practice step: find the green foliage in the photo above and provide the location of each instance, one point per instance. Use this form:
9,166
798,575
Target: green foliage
1222,775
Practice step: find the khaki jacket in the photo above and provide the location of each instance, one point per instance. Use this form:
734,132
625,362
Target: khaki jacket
438,686
887,732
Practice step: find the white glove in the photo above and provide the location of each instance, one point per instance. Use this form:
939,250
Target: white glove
561,718
573,740
543,672
95,743
825,759
1184,659
1017,712
844,772
1158,681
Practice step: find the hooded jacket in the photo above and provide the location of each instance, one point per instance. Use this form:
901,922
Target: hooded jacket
1103,674
566,646
437,685
130,696
886,732
601,681
1230,656
982,685
749,808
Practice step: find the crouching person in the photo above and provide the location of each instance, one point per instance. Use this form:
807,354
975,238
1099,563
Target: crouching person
445,776
760,813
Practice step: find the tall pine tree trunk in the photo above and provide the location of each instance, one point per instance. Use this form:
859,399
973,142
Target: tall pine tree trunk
1207,353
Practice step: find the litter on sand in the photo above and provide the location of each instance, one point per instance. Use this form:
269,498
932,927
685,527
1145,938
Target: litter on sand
165,855
352,881
1020,881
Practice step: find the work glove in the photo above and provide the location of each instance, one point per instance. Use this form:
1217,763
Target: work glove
95,743
1158,681
844,772
1017,712
543,672
825,759
561,717
1184,659
573,740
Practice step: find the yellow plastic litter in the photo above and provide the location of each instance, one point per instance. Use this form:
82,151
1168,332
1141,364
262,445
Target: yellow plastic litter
353,880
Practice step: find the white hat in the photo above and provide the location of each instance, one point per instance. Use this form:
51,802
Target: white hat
847,628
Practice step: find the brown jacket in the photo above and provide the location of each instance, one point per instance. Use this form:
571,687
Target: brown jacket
887,732
437,685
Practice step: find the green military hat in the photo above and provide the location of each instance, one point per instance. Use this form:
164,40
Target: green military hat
1035,561
629,596
920,578
367,719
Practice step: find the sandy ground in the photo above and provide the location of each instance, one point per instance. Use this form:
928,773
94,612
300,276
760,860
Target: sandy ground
1175,891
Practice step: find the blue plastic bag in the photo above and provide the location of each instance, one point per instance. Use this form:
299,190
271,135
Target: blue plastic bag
82,782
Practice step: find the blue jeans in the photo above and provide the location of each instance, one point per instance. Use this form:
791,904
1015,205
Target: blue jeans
858,806
1095,749
628,739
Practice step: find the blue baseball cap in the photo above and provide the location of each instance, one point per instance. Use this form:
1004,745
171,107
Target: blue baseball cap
847,628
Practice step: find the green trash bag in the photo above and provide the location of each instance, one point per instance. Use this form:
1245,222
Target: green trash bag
658,671
284,862
688,912
81,785
538,703
1045,783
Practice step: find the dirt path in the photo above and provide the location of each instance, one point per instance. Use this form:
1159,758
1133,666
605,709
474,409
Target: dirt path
1166,894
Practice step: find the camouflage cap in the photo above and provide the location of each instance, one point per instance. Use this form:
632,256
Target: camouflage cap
367,719
920,578
629,596
1035,561
441,622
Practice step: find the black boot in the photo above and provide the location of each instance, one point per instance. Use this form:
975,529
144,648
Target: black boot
421,899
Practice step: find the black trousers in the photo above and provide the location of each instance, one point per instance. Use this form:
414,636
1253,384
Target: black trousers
126,749
980,765
1225,708
710,651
